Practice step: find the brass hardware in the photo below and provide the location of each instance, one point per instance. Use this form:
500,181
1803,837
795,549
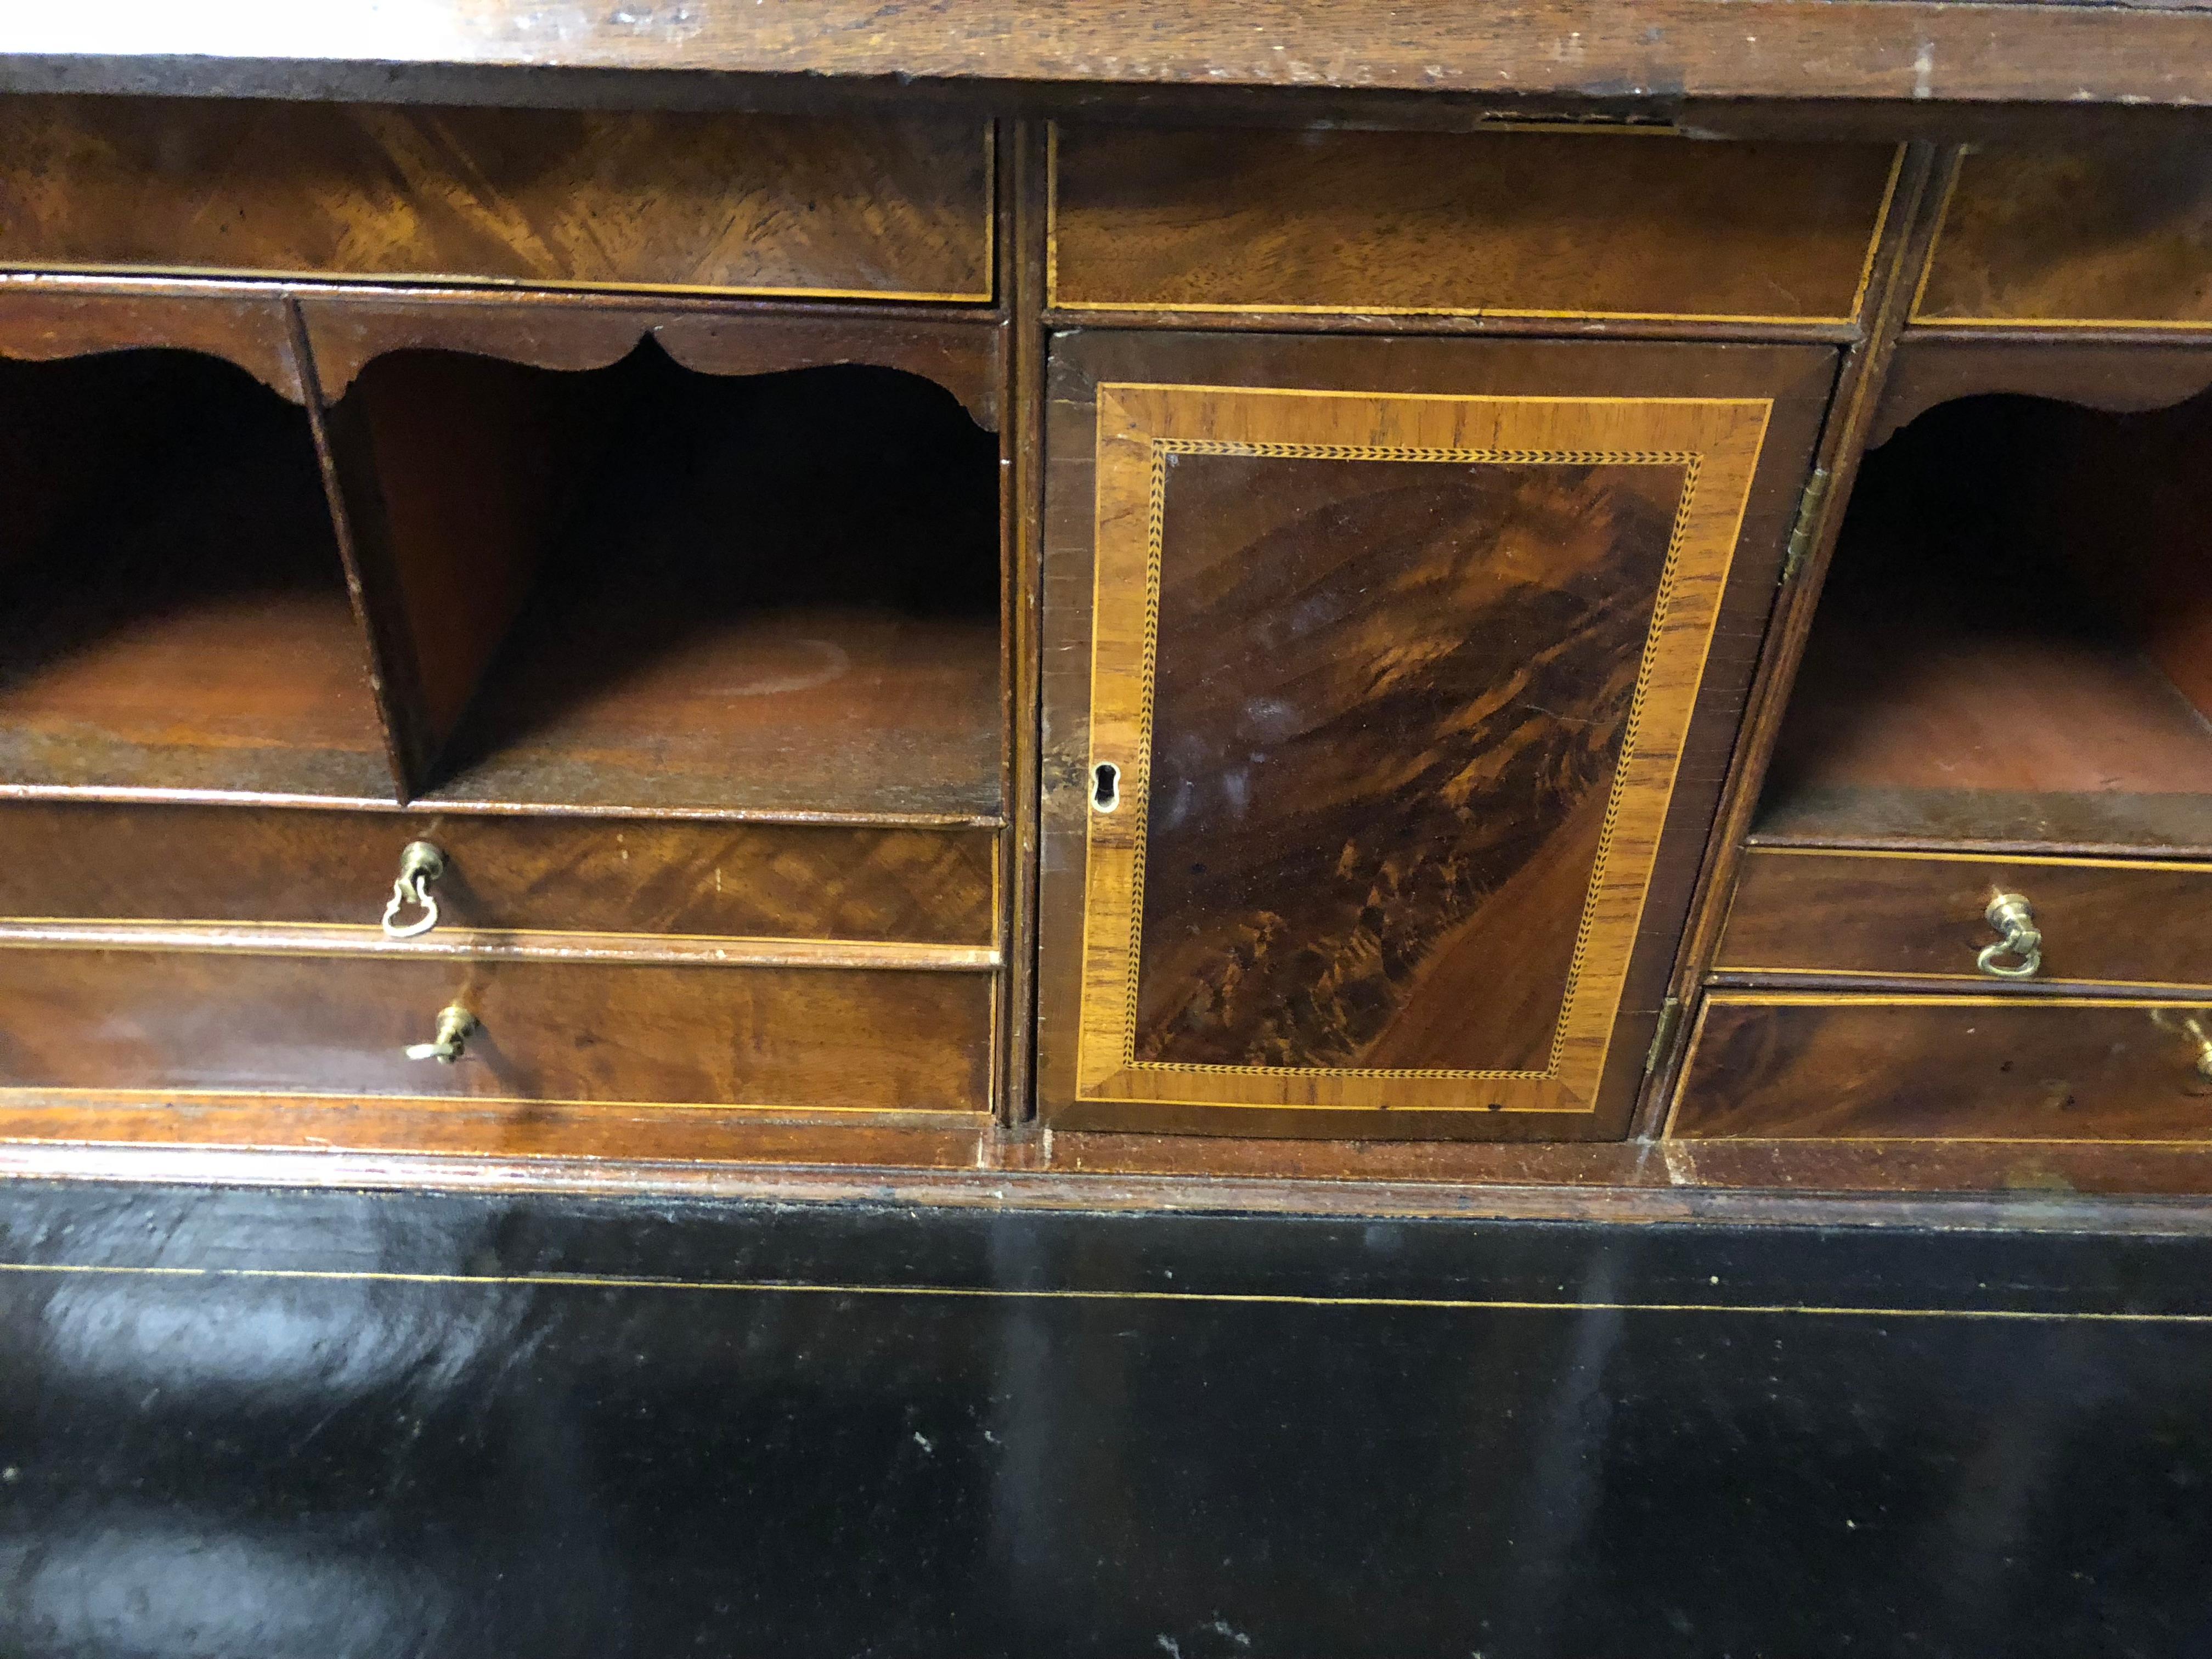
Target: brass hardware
1807,523
420,864
1669,1012
2192,1027
456,1025
2009,913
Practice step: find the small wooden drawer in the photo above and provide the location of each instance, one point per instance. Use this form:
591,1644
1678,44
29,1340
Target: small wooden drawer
1782,1067
2097,233
79,861
869,207
1924,916
1629,223
230,1022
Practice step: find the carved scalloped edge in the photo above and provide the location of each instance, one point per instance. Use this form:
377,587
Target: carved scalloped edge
249,332
2161,375
965,358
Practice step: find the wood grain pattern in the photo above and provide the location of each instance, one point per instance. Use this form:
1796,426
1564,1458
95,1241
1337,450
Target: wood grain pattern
161,1024
1630,224
1917,51
177,613
882,206
1920,915
1388,705
2089,235
505,873
1778,1067
1559,543
1795,379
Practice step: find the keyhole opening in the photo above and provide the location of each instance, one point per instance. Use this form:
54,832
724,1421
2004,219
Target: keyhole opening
1106,787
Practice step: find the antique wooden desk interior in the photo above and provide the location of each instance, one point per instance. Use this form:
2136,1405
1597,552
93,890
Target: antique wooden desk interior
780,602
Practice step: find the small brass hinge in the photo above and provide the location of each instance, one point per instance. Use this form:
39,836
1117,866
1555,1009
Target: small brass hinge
1669,1012
1807,523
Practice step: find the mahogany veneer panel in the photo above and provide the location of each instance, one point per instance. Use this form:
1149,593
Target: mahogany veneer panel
2088,234
1776,1067
226,1022
1610,224
178,616
1395,650
1915,915
504,872
1297,827
873,206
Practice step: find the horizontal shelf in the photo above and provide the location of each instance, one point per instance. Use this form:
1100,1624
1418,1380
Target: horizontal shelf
178,616
1991,666
848,713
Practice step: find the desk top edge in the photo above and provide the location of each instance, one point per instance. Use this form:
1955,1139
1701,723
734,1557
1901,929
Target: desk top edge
1916,51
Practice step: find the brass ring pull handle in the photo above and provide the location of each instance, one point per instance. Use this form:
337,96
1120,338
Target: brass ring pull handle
2190,1025
420,864
2009,914
456,1024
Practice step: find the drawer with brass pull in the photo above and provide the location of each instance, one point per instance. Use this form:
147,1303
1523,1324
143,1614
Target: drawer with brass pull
200,1022
418,874
1975,920
1812,1066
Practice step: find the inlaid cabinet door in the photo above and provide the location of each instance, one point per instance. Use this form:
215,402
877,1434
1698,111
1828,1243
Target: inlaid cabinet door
1388,688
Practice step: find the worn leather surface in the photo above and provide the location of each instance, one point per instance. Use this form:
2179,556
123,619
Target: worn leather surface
334,1425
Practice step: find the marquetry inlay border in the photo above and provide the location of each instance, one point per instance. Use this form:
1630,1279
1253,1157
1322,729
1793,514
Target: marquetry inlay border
1715,444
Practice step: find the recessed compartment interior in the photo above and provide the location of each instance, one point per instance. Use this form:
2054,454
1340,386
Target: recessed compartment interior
2014,648
646,586
176,611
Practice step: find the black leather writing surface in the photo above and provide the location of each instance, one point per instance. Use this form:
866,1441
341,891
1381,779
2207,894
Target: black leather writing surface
275,1423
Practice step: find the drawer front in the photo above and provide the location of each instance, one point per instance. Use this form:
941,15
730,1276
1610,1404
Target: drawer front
1947,1068
2091,232
1624,224
867,207
1909,916
94,861
232,1022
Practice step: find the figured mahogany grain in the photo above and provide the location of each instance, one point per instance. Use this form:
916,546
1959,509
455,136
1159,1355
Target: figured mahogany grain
1635,223
177,613
537,873
153,1022
1389,703
1944,1068
2108,232
888,205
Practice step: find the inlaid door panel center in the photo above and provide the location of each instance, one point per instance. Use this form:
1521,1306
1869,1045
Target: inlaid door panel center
1396,686
1384,729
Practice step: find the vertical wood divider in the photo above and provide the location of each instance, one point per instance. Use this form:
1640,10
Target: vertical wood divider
1021,270
349,479
1907,239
